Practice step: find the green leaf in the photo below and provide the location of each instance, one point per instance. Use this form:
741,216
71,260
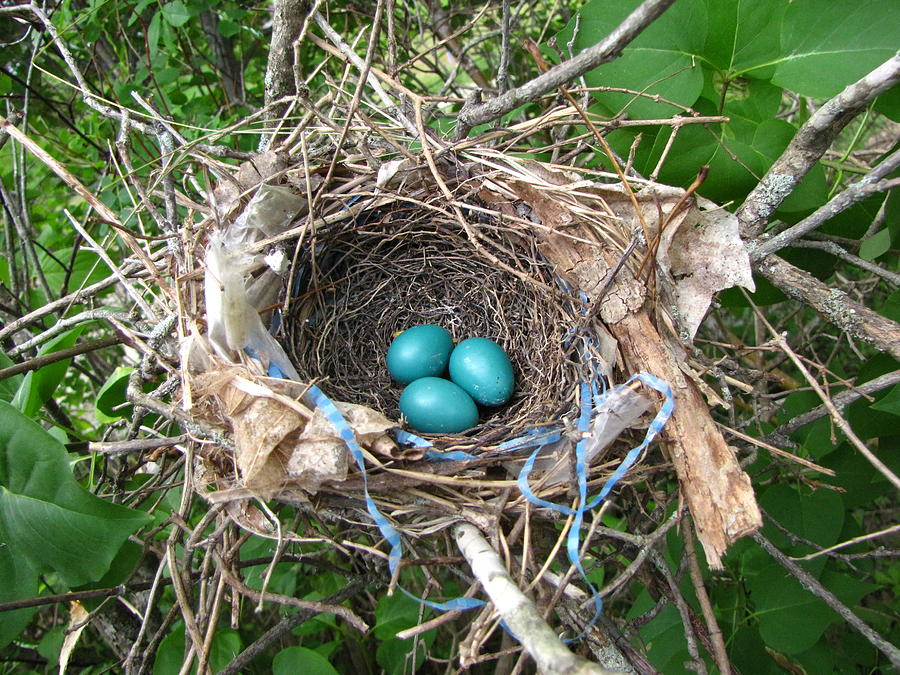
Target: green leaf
663,636
226,645
890,403
791,619
301,660
10,385
110,399
176,13
86,269
828,46
660,61
876,245
20,582
228,28
814,515
38,385
46,518
153,31
743,38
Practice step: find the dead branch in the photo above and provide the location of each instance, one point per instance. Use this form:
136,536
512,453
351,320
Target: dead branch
839,401
866,186
833,304
809,144
606,50
811,584
519,612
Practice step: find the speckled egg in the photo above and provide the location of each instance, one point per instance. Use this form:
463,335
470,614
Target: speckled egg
420,351
483,370
433,405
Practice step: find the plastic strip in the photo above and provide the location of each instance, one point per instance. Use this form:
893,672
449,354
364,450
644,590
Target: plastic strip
573,541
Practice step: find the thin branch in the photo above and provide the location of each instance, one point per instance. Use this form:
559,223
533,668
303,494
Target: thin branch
519,613
39,362
871,183
809,144
839,401
834,412
840,252
604,51
720,653
811,584
833,304
851,542
283,627
317,607
89,98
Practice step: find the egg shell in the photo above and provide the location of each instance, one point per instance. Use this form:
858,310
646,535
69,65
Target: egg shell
433,405
420,351
483,370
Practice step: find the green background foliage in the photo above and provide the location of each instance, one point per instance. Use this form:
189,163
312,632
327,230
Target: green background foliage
64,525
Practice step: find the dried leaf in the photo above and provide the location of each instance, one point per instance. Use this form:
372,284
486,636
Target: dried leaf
703,255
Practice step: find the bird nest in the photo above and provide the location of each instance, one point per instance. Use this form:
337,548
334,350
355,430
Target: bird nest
365,280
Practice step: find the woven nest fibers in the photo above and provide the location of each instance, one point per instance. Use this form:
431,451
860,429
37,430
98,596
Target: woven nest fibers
362,283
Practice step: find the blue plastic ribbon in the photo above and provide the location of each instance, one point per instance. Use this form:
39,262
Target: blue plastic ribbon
573,540
592,396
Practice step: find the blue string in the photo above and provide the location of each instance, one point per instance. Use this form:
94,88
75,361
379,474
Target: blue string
591,397
573,540
317,398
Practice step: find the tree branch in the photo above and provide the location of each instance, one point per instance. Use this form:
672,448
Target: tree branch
839,401
519,613
287,20
834,305
604,51
809,144
868,185
811,584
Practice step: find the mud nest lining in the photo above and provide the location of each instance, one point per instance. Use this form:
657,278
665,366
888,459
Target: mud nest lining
361,282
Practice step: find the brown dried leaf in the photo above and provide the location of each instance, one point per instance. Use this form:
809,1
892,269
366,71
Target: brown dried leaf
703,255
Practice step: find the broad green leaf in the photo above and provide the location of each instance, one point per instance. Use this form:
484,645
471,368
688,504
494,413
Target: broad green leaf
228,28
663,636
743,38
814,515
748,653
10,385
153,31
301,660
867,419
111,397
87,268
660,61
791,619
891,307
226,645
176,13
828,45
394,613
20,582
890,403
876,245
46,518
39,385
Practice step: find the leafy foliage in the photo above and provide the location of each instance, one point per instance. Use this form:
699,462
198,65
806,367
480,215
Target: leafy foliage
200,65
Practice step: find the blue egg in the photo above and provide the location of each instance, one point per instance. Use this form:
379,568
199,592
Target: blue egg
420,351
433,406
482,369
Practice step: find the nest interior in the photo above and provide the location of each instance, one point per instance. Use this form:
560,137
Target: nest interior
359,283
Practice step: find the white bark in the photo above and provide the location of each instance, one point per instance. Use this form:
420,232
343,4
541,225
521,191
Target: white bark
520,614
